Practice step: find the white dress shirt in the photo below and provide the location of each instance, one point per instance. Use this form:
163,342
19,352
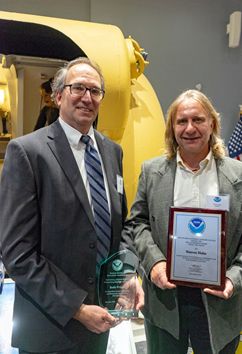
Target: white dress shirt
78,149
191,188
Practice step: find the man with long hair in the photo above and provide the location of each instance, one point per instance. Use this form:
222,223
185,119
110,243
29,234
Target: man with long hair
193,168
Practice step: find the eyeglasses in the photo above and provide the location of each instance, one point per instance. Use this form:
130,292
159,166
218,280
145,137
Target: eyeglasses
96,93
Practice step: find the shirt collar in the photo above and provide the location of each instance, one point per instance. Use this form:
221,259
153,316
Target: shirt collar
205,163
73,135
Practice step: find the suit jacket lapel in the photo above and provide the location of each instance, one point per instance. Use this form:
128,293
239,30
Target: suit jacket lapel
111,174
168,171
61,149
163,194
104,150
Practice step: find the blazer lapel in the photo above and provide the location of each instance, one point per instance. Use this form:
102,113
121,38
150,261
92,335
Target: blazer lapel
111,174
167,178
61,149
162,195
104,150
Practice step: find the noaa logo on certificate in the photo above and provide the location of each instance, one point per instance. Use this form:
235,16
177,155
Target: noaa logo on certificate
197,225
117,265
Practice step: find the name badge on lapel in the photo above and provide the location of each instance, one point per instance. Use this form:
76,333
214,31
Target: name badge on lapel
218,202
120,184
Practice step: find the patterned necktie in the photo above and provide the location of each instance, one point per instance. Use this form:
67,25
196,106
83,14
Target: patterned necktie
98,197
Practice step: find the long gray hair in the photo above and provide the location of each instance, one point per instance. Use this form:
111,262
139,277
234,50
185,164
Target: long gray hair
216,143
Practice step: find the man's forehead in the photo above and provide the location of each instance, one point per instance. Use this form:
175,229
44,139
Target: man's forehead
82,69
191,106
82,73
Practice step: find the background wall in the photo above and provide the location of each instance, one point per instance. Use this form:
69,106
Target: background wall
186,41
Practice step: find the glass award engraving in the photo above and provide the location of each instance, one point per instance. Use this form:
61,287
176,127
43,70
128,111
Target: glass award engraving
196,252
2,274
117,284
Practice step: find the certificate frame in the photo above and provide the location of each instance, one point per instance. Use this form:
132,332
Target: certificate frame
196,257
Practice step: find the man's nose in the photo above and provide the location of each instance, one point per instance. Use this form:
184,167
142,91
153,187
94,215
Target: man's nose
87,95
190,126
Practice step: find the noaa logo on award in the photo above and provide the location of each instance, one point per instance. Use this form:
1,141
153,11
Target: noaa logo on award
117,265
197,225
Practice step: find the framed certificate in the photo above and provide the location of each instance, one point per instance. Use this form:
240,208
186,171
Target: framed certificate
196,251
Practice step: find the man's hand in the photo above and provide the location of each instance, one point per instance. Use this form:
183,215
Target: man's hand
95,318
140,298
159,278
224,294
131,295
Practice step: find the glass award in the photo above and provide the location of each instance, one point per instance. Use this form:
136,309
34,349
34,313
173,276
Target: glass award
117,284
2,274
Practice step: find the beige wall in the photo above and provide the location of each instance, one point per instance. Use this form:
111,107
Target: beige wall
1,166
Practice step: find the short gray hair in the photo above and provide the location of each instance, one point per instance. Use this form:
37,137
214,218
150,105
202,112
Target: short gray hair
59,81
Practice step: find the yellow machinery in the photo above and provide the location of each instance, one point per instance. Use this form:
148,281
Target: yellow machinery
130,114
239,350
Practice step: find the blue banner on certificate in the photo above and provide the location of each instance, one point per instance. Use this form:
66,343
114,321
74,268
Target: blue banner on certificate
196,254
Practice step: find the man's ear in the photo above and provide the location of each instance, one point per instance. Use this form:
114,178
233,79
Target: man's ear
58,98
212,124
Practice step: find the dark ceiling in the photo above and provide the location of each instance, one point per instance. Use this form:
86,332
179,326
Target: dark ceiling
35,40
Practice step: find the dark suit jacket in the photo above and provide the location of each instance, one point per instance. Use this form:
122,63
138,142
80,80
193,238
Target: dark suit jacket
48,236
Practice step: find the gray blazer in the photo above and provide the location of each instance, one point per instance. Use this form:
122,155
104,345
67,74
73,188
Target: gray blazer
149,218
48,237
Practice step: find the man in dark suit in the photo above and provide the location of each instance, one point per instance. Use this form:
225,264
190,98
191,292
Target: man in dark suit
49,112
47,225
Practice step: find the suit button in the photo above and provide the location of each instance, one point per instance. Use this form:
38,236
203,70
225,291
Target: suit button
92,245
90,280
